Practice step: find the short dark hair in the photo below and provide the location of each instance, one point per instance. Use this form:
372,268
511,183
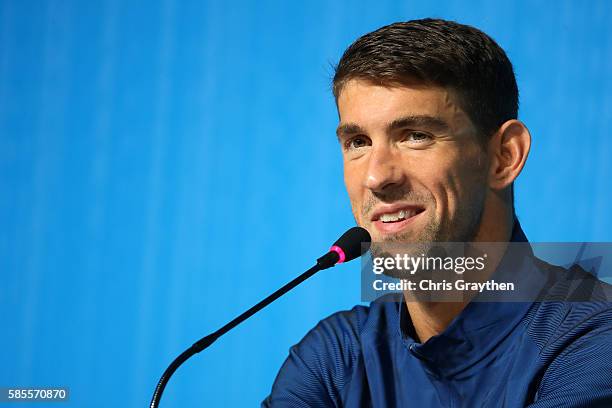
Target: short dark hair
442,53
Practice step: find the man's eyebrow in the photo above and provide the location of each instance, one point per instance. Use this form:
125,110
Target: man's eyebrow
428,122
419,121
348,129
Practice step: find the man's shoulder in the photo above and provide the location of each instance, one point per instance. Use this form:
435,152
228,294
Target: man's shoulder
554,325
575,342
340,336
324,361
351,325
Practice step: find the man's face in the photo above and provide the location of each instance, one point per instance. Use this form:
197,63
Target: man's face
413,166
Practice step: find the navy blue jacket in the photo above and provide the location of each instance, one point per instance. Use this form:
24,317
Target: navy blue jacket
502,354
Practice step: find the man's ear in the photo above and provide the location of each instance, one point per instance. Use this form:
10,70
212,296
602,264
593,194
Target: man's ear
508,150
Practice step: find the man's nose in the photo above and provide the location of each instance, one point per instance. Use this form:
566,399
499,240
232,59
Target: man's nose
384,169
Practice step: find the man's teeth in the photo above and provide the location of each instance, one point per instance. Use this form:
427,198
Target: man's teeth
400,215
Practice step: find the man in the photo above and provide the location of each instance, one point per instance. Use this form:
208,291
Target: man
431,146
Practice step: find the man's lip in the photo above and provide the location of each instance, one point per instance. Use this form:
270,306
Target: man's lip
389,228
394,208
386,228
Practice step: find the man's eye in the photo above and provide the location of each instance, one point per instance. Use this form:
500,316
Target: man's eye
356,143
417,137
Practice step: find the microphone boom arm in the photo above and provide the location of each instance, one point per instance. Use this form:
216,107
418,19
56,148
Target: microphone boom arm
206,341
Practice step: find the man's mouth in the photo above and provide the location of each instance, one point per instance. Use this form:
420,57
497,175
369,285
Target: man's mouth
398,216
393,219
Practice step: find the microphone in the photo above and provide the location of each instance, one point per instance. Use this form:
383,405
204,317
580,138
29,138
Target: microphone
352,244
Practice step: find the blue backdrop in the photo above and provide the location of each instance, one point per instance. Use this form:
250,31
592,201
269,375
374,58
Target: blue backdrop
165,164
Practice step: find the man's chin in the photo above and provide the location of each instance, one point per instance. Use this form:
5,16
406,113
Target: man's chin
409,236
392,249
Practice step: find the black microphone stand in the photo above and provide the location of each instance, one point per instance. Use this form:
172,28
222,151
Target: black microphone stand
326,261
